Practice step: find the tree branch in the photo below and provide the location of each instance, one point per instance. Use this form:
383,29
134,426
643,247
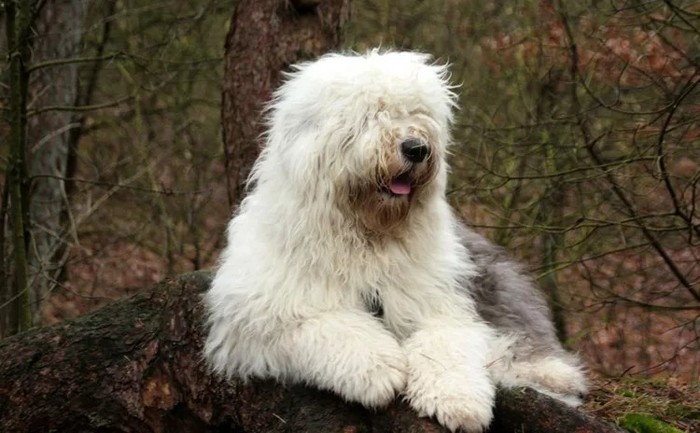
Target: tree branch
590,147
135,365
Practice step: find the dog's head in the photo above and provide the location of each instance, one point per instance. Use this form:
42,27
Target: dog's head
367,132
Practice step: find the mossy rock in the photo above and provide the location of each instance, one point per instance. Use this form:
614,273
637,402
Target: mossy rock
641,423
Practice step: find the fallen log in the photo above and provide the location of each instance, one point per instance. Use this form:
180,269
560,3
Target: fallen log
135,366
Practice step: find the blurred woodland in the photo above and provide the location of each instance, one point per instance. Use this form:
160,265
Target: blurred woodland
577,148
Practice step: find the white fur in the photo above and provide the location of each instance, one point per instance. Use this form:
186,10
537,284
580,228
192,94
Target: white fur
289,300
549,375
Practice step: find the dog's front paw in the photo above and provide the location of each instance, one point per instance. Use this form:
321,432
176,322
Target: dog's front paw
456,409
383,382
457,403
448,378
349,353
384,377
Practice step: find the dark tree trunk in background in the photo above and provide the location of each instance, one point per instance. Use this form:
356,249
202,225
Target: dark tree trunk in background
135,366
19,19
266,37
58,36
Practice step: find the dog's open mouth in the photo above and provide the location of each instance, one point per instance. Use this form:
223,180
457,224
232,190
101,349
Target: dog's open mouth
401,185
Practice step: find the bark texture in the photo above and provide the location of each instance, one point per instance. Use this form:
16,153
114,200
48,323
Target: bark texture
58,36
135,366
267,36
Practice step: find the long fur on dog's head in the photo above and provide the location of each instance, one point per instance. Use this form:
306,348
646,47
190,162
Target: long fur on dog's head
335,130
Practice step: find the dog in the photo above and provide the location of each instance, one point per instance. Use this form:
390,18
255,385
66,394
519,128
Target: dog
346,269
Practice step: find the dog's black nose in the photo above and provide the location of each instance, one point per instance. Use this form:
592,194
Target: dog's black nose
415,150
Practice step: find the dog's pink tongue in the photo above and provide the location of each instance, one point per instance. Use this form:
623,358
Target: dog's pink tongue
400,187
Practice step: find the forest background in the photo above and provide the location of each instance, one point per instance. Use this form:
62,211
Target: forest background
576,148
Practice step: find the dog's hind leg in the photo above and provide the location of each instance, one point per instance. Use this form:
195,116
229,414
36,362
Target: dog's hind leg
553,372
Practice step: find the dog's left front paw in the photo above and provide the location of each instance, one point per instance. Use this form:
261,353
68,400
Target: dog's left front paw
465,405
456,411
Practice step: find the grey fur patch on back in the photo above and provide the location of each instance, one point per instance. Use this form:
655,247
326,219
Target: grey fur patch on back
508,299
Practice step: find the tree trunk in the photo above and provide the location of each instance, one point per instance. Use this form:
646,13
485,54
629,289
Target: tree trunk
267,36
59,32
19,17
135,366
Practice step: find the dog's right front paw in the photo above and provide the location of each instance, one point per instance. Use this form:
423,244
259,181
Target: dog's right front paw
384,377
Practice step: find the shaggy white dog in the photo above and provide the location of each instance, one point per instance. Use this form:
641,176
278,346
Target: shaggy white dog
346,269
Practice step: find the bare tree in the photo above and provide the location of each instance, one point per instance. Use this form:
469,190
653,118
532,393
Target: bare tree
53,94
19,19
73,174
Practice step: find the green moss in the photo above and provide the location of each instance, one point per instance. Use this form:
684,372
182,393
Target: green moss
641,423
665,400
627,393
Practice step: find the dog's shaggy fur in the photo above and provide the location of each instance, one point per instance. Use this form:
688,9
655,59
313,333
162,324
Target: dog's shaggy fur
347,270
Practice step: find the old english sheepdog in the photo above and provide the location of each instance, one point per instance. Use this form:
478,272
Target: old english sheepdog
347,270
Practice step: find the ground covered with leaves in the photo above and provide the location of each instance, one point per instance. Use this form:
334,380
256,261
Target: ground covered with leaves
643,405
